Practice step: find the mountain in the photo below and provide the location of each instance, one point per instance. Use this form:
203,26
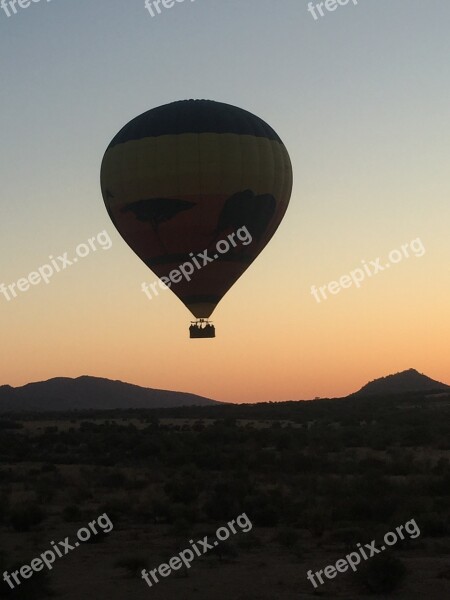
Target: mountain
406,381
84,393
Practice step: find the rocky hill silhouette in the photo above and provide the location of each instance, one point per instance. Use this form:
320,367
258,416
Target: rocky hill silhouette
84,393
405,381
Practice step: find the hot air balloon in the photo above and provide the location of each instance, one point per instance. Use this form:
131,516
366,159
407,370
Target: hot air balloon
183,180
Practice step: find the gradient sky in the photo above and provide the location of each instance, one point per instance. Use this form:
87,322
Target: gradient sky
360,97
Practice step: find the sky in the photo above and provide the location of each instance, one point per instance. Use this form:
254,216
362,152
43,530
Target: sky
360,98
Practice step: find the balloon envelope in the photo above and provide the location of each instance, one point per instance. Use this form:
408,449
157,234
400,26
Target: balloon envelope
183,177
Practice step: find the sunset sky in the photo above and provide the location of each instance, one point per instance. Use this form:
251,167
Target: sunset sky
360,98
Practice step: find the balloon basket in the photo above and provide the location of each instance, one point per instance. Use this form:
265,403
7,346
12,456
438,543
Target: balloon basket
201,329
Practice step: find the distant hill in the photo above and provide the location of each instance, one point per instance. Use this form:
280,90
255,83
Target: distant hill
406,381
84,393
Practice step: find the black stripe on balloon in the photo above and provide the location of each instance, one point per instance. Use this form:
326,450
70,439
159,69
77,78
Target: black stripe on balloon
201,299
194,116
179,259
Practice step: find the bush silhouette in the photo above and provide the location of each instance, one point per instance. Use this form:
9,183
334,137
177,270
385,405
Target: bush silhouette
25,516
225,550
287,537
35,588
71,513
382,574
133,565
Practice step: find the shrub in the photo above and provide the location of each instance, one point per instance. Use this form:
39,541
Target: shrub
4,507
48,468
132,564
6,424
181,526
97,538
298,550
224,551
382,574
249,541
35,588
287,537
71,513
434,525
25,516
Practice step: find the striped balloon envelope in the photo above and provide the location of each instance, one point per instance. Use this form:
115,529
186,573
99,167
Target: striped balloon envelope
200,185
